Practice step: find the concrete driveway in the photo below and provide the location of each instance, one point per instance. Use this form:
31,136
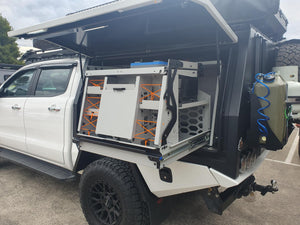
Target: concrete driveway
28,198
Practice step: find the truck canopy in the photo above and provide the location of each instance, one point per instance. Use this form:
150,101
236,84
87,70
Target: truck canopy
264,15
136,28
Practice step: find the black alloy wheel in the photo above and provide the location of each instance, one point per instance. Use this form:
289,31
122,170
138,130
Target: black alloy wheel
105,203
109,194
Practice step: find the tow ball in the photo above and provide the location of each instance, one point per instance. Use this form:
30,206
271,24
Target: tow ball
217,202
265,189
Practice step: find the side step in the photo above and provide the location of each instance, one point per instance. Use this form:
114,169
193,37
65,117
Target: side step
36,164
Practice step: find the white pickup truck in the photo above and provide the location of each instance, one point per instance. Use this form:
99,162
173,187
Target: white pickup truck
142,129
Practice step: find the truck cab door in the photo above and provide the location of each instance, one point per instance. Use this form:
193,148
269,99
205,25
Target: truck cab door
13,96
44,114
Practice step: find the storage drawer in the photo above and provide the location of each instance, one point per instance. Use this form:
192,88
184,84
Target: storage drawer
118,109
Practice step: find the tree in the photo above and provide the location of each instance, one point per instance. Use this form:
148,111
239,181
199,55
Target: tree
9,51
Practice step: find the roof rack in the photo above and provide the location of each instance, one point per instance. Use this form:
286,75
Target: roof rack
39,55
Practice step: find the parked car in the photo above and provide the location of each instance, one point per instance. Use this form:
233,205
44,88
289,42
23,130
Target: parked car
6,70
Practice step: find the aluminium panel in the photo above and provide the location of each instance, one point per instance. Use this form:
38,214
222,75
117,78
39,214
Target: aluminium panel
118,6
118,109
148,104
129,71
218,18
288,73
115,6
114,30
117,153
194,104
227,182
187,177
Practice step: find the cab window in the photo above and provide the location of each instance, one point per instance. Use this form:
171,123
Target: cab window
53,82
19,85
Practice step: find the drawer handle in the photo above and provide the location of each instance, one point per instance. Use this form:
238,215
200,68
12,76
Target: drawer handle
119,89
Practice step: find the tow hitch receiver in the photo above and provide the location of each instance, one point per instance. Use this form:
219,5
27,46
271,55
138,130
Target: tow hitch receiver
265,189
218,202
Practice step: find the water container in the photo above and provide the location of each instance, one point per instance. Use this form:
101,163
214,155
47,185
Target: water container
277,125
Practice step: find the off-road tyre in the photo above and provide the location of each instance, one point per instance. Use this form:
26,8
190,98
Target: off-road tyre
288,54
109,194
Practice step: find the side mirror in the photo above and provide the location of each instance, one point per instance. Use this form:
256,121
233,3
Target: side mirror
6,77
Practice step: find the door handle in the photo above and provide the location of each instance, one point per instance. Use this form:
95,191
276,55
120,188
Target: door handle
54,108
16,107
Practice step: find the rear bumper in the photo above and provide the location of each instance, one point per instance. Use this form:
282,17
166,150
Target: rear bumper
228,182
187,177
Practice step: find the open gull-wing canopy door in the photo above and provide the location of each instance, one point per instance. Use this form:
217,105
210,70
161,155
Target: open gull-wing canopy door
135,27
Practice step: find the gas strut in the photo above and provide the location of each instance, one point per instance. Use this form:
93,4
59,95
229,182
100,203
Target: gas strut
265,189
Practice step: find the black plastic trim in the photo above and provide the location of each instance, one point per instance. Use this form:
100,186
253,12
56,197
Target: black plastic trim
37,165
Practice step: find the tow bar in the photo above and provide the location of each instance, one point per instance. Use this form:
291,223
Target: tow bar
265,189
218,202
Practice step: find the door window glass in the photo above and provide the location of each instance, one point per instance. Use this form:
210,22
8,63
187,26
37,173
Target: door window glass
19,85
53,82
